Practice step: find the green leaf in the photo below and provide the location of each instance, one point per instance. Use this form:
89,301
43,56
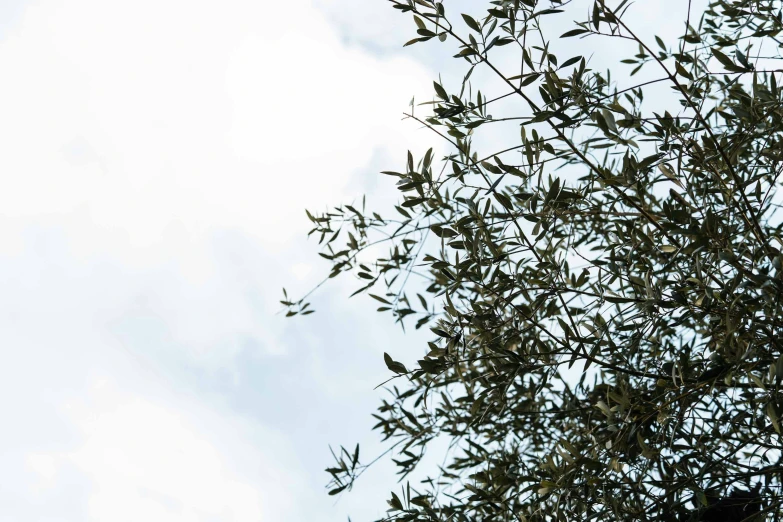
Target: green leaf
570,61
529,78
573,32
393,365
413,202
725,61
471,22
609,119
619,300
395,503
773,416
679,69
337,490
381,299
440,91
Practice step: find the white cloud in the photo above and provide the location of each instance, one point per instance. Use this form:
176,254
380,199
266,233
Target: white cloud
137,131
43,465
146,459
155,158
301,270
152,113
166,460
371,23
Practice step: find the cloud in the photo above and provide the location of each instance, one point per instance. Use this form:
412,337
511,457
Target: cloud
146,459
374,25
164,460
150,113
139,132
156,158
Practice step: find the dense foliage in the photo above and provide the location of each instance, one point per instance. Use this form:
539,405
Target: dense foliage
605,294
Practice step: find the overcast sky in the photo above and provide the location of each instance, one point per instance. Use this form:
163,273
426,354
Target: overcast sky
156,158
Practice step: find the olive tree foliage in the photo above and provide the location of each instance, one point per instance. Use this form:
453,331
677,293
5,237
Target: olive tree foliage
605,296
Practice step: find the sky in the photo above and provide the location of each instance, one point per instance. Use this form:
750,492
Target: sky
156,159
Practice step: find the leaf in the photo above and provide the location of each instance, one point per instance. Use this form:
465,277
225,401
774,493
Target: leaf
546,12
395,503
619,300
413,41
356,456
570,61
725,61
573,32
413,202
472,23
503,200
337,490
682,71
530,78
757,381
669,173
393,365
499,42
743,60
553,190
773,416
379,298
609,119
440,91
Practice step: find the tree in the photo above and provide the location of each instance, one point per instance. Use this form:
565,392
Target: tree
604,293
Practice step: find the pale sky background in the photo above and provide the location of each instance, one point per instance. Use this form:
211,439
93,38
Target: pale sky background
156,158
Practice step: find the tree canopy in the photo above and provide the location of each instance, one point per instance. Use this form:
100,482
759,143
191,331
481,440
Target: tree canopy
604,288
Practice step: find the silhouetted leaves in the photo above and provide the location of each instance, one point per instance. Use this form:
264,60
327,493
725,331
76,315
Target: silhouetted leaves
606,296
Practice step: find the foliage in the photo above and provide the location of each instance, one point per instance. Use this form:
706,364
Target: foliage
605,294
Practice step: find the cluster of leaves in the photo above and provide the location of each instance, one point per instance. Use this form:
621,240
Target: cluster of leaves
604,296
